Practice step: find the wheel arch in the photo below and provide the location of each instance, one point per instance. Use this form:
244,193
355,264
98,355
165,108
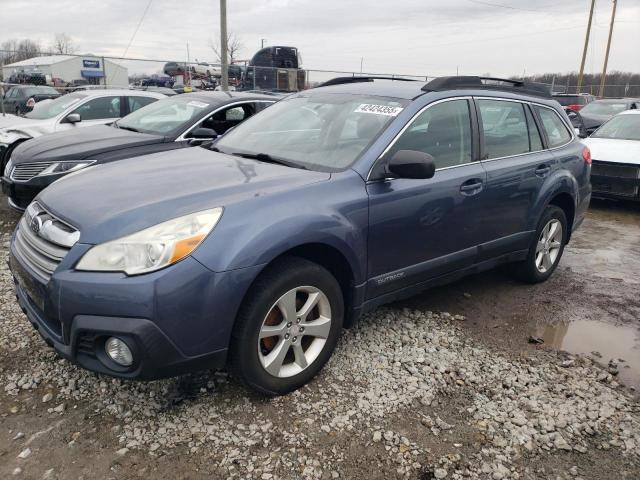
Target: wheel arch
562,191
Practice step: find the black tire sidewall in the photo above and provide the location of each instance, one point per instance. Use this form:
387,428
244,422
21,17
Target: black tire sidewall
530,271
270,286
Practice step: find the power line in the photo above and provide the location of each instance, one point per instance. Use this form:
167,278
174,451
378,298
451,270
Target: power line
135,32
499,5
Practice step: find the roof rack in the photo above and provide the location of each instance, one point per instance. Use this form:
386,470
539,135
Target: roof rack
488,83
362,78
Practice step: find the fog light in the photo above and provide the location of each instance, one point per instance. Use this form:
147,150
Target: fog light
118,351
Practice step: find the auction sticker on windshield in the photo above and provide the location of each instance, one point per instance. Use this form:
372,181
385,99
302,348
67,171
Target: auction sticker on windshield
378,109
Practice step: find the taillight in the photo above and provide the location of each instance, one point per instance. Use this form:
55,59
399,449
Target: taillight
575,107
586,155
31,103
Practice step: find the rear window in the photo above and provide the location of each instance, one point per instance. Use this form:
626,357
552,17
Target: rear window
556,130
40,91
566,100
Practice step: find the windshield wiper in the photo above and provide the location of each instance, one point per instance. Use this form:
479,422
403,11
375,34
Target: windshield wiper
264,157
123,127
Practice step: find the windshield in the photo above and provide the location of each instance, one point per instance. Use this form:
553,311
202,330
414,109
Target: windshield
169,115
319,132
605,108
51,109
623,127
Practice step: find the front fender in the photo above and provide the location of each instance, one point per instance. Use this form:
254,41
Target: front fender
13,136
559,182
333,213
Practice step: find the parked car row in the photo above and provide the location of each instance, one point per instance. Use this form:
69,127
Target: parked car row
69,112
172,123
286,223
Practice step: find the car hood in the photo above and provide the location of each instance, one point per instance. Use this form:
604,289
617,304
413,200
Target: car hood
115,199
13,126
80,144
614,150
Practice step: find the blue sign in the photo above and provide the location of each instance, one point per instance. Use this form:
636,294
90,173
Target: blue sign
91,63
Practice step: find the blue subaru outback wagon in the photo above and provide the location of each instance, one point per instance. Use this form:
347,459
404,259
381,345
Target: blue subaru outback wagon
256,252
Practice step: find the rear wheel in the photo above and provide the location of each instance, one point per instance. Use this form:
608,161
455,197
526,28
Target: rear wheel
547,246
287,327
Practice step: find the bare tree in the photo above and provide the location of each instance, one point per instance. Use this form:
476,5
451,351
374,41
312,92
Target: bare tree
234,46
63,44
12,51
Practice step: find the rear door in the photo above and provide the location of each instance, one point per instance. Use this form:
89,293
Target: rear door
420,229
517,164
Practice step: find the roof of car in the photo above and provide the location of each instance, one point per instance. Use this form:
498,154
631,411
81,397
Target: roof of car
123,92
229,96
618,100
379,88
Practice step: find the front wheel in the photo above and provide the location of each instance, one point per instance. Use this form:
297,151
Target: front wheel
547,246
287,328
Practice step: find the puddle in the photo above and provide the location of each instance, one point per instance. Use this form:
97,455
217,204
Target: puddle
586,336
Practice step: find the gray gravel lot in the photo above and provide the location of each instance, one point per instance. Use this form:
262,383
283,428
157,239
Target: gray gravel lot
411,392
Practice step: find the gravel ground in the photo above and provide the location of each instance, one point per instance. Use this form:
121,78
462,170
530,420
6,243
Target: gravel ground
409,393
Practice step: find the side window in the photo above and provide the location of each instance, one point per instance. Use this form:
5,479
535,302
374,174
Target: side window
100,108
138,102
554,127
534,135
443,131
259,106
225,119
505,128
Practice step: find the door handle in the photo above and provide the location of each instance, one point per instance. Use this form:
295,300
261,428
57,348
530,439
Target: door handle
471,187
543,170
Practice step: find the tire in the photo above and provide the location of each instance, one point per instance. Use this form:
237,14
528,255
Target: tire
255,361
544,256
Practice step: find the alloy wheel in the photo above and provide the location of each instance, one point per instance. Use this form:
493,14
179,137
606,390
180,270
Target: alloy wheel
549,245
294,331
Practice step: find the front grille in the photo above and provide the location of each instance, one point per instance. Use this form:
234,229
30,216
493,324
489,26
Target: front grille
615,178
42,241
26,171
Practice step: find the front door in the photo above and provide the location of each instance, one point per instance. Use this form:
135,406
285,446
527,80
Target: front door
421,229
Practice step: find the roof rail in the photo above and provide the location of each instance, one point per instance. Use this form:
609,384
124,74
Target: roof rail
362,78
488,83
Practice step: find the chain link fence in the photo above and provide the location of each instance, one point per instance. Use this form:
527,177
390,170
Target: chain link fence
94,71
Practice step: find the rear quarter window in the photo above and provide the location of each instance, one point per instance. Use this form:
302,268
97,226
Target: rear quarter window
557,132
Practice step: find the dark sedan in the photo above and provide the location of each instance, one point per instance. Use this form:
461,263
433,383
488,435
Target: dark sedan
589,119
178,122
22,98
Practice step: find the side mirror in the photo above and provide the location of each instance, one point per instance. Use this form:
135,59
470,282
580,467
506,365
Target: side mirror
202,134
412,164
72,118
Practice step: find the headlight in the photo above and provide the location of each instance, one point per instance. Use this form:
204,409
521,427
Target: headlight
153,248
7,168
65,167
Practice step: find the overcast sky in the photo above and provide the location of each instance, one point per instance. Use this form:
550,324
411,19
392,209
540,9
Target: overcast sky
424,37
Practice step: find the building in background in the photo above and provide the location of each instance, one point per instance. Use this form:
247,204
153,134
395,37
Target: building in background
71,68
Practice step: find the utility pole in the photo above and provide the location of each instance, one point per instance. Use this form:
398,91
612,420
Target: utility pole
606,57
586,47
223,45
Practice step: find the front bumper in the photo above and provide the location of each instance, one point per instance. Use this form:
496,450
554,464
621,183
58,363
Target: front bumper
18,195
175,321
615,180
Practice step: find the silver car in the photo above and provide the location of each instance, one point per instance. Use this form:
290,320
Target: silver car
74,110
